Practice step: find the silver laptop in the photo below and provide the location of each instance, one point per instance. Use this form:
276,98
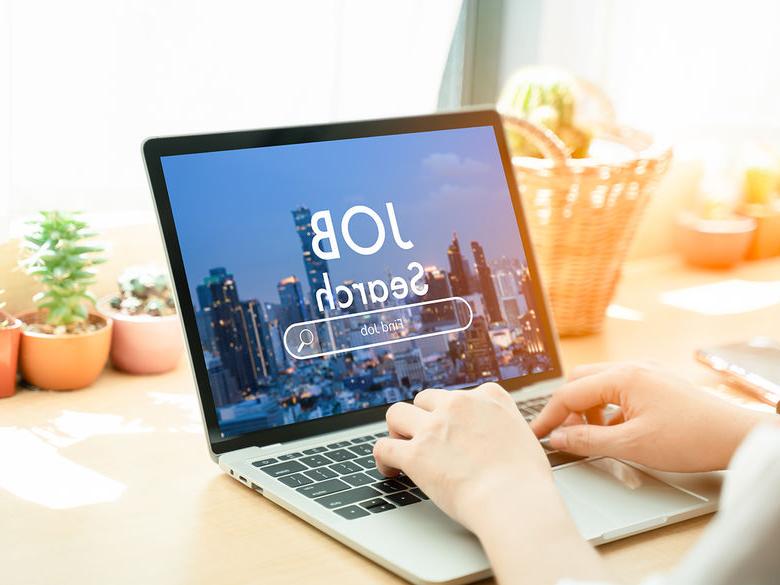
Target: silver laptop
325,272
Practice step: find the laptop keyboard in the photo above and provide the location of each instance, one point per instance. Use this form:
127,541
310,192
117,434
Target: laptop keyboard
343,477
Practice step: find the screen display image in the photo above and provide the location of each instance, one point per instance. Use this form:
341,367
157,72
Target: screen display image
329,277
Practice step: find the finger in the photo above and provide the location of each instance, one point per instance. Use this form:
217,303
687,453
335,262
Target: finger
497,393
616,419
390,455
574,418
587,440
404,419
428,399
578,396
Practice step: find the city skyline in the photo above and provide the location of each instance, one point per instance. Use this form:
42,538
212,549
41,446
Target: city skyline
249,370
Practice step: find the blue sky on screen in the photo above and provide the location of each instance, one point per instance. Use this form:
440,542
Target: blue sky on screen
233,208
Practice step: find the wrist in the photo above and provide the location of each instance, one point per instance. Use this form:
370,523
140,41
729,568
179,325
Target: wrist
527,530
743,426
505,499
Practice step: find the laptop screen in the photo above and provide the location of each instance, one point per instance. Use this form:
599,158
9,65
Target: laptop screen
329,277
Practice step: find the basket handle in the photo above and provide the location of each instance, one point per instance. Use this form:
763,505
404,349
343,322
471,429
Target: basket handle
545,140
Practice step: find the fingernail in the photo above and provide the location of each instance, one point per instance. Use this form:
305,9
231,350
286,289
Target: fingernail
558,439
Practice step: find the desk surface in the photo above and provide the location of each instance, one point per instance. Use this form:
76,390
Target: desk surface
113,484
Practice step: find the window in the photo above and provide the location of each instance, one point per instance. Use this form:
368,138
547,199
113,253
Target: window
89,80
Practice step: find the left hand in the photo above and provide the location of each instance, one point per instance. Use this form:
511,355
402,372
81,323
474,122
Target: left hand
469,450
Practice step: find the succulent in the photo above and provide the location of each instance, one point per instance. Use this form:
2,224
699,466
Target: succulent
547,97
144,291
57,256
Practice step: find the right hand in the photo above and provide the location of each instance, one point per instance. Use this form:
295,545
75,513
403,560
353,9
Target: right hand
664,422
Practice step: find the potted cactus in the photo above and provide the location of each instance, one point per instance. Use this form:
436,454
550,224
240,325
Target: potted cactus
10,330
147,336
547,97
64,346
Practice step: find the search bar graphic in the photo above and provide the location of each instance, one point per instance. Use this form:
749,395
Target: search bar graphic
350,332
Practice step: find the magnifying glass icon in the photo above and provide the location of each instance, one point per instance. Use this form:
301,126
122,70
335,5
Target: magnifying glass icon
306,337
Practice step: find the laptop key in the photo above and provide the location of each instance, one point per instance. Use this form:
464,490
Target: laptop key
367,462
345,468
557,458
402,498
419,493
351,512
295,480
363,439
375,473
321,474
314,450
264,462
406,480
284,468
315,460
358,479
289,456
341,455
377,505
382,434
324,488
349,497
362,449
389,486
339,445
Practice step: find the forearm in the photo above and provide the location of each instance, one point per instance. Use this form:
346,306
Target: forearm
530,538
735,424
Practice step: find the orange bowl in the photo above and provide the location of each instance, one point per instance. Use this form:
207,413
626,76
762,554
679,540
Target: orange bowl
714,243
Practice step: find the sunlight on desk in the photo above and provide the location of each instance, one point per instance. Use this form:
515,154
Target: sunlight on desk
71,427
728,297
32,469
187,404
625,313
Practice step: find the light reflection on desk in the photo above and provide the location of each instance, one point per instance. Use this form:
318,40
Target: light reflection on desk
727,297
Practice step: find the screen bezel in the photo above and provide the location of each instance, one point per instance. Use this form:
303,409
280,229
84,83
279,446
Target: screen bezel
156,148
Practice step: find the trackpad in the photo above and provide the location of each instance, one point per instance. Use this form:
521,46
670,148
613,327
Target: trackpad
609,498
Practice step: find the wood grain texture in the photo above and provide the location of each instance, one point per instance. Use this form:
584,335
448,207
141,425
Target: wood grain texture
153,508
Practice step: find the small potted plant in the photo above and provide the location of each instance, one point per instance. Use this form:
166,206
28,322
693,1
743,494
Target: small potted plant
10,330
147,336
64,346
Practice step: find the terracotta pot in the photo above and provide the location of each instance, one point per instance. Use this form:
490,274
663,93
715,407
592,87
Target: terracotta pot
64,362
9,354
714,243
143,344
766,241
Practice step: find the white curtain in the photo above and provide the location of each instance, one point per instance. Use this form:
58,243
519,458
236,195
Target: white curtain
88,80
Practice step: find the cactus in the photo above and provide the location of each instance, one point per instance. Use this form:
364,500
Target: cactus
545,96
144,291
56,256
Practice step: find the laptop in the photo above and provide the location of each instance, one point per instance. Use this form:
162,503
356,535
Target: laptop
325,272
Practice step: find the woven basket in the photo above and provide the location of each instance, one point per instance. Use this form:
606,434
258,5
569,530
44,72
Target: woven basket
582,215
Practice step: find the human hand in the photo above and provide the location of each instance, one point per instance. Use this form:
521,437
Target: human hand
664,422
467,450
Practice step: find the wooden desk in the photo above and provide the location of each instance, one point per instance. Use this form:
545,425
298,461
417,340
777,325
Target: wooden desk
113,484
